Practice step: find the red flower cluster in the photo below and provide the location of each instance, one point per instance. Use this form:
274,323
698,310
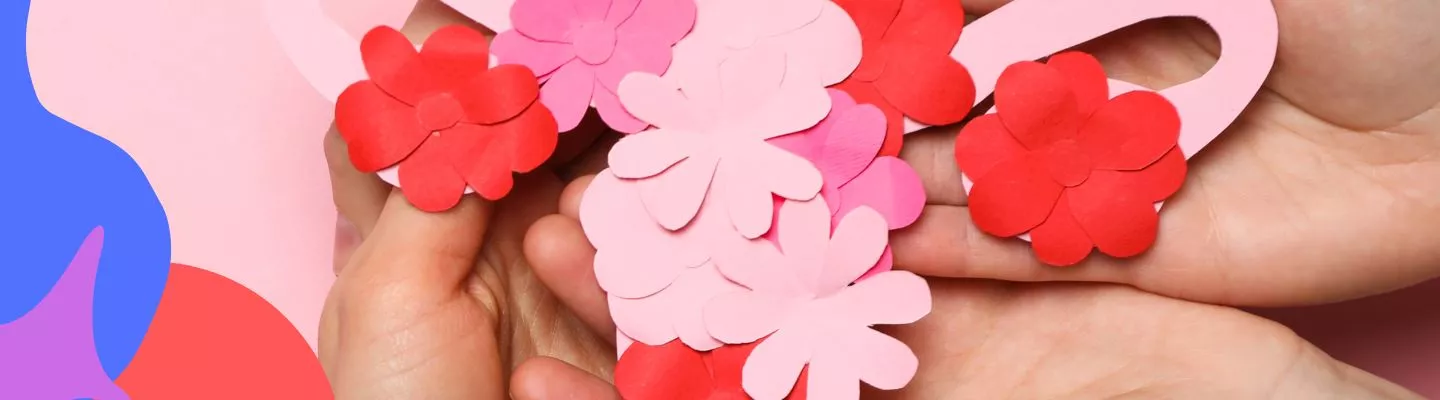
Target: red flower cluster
676,371
1065,162
444,116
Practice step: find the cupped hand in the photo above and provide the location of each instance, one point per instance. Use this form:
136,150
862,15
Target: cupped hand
1327,188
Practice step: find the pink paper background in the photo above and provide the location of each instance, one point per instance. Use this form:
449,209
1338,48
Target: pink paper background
229,134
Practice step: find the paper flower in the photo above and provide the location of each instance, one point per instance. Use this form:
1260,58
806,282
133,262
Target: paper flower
817,37
672,371
657,280
803,301
581,49
907,69
716,130
1067,163
444,116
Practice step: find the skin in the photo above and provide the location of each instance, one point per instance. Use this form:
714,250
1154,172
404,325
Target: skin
491,299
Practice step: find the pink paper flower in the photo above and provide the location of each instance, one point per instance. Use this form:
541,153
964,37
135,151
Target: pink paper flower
803,301
582,48
715,129
657,280
817,36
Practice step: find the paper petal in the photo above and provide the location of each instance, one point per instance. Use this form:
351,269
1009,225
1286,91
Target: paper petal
1158,181
804,232
655,101
674,197
854,248
1122,224
828,48
1131,131
633,54
888,298
775,365
1060,241
889,186
872,17
834,376
607,104
746,196
498,94
379,130
750,80
529,138
676,311
1012,198
780,172
852,142
667,372
866,93
649,153
619,275
1087,79
591,10
546,20
454,54
1036,104
512,47
930,88
480,156
666,21
983,144
393,64
428,182
882,361
745,317
567,94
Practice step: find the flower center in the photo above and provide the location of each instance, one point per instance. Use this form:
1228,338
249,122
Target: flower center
1067,163
439,112
594,42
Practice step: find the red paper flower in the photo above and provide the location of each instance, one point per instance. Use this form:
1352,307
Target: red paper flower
1067,163
906,69
444,116
673,371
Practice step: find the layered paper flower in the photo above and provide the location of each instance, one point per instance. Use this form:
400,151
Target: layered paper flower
1067,163
444,116
657,280
582,48
714,127
817,37
672,371
801,300
907,70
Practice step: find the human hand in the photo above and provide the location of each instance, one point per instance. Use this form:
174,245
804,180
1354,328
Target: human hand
1326,189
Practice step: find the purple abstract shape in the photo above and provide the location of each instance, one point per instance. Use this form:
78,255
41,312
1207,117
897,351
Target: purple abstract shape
49,353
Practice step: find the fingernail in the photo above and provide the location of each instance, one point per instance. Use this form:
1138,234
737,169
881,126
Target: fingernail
347,238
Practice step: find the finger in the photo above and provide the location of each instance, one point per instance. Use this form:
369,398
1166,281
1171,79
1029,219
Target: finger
329,341
931,153
359,196
432,252
544,378
573,194
562,258
594,159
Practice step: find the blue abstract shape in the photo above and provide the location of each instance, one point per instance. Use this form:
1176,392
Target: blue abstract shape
62,181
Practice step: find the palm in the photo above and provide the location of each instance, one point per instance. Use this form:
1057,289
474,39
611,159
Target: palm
1325,188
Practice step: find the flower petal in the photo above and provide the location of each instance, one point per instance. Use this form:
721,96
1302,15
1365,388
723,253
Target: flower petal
837,55
882,361
1121,222
545,20
933,26
853,249
651,152
1012,198
428,181
393,64
607,104
379,130
620,274
512,47
932,89
455,54
746,197
782,173
889,186
744,317
567,94
804,237
775,365
674,197
636,53
983,144
1087,79
799,105
866,93
1036,104
887,298
1131,131
1159,180
751,80
728,361
1060,241
591,10
664,21
498,94
872,17
670,371
529,139
480,157
620,11
655,101
852,142
833,375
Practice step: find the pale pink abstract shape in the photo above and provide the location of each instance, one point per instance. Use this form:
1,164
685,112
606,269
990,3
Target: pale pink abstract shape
228,132
803,301
675,312
716,130
817,37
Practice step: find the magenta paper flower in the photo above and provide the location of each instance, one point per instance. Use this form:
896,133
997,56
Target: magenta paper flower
582,48
713,128
803,301
817,36
657,280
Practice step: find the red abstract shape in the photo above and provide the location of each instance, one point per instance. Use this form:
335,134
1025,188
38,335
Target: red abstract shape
445,116
1064,161
214,339
906,69
675,371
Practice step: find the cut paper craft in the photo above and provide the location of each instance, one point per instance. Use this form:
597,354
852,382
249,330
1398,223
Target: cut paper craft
906,69
716,129
1064,159
672,371
817,37
49,353
802,303
444,117
674,312
582,48
1248,32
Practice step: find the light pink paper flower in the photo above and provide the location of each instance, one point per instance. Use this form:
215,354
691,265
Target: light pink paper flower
715,129
658,280
582,48
817,36
803,301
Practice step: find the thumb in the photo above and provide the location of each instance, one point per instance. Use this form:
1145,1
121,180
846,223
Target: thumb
407,326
